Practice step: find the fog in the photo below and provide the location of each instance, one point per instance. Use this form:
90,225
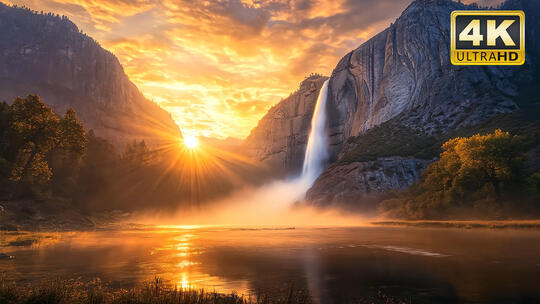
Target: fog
275,204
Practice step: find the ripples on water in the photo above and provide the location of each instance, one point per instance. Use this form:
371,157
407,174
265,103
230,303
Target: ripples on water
334,264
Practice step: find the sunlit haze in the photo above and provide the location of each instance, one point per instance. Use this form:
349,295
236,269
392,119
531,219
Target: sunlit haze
190,142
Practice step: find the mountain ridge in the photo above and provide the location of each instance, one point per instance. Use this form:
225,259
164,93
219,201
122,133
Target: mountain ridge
47,55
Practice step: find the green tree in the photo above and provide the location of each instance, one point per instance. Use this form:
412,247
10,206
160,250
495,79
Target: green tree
65,159
136,154
36,129
37,133
72,134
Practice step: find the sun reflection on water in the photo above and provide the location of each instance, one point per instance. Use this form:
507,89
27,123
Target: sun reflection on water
184,249
184,281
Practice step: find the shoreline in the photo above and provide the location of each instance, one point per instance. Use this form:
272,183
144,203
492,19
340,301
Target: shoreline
463,224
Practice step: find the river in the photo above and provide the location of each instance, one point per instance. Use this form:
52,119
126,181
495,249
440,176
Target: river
333,264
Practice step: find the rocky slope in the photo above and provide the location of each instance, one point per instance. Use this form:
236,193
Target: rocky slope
404,75
351,182
280,138
47,55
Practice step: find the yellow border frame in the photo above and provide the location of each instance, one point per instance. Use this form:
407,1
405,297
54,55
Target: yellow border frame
521,50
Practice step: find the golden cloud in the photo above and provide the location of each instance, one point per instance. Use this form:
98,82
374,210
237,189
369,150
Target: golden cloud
217,66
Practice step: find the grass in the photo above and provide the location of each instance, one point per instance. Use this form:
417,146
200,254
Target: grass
95,292
153,292
509,224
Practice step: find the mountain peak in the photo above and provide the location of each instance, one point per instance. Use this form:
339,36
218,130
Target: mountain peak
47,55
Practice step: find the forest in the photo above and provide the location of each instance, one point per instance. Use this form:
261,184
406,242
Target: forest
50,164
53,160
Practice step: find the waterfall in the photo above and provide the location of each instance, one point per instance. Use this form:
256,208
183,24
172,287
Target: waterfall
317,146
271,203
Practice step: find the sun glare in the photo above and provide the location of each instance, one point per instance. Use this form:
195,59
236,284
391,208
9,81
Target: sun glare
190,142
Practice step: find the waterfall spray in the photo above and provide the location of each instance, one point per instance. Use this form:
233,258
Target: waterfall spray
271,203
317,146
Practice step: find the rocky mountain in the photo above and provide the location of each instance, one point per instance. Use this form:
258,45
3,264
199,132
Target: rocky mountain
47,55
280,138
402,79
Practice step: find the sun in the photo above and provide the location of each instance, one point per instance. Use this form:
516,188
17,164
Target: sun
191,142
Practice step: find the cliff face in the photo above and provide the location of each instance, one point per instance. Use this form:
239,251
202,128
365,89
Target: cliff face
365,181
405,71
46,55
404,74
280,138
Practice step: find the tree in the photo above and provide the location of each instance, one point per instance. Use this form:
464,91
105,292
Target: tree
36,130
136,153
65,159
37,133
473,163
480,168
72,135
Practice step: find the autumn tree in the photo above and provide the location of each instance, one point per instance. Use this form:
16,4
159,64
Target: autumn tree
470,169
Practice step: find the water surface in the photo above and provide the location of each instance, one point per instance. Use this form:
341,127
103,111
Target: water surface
333,264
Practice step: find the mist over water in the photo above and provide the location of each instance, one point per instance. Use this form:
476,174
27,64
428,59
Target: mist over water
273,204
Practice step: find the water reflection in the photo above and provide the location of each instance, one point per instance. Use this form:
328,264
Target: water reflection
334,265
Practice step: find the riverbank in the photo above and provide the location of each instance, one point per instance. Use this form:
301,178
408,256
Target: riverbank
465,224
153,292
54,215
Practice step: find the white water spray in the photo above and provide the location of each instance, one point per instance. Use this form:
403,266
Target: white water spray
271,204
317,146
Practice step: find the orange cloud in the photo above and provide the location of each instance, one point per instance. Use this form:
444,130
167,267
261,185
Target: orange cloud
217,66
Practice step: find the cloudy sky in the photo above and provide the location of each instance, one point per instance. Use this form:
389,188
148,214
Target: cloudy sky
217,66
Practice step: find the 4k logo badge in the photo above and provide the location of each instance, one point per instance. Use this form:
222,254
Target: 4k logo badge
487,37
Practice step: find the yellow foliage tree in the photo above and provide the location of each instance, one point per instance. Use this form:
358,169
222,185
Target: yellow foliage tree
470,169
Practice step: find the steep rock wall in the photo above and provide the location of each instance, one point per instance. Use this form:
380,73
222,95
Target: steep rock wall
404,74
280,138
46,55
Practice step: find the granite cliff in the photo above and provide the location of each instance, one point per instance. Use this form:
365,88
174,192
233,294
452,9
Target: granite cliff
280,138
47,55
402,79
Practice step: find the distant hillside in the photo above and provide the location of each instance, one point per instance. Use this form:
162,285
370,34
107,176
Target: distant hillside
47,55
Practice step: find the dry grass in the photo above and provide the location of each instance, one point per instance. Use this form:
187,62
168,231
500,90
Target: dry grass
153,292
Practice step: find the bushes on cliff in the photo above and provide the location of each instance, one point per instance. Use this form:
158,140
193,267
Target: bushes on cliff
390,139
474,175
